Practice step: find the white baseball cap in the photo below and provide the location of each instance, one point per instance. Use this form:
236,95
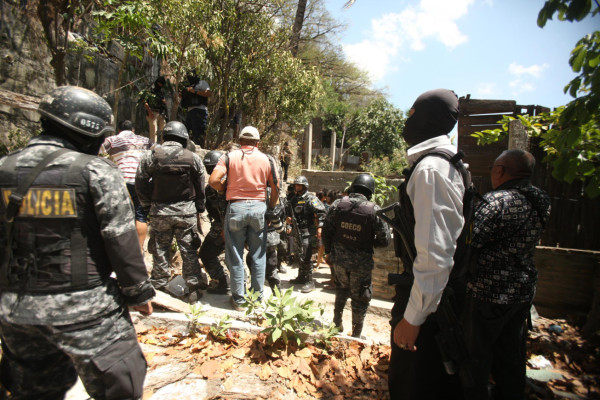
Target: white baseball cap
250,132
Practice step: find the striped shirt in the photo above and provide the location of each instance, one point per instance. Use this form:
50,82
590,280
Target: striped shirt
126,150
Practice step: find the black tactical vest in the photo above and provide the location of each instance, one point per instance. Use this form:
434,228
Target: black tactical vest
354,224
56,246
172,176
407,216
302,210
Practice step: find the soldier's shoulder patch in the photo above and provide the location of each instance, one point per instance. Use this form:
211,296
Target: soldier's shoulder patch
315,202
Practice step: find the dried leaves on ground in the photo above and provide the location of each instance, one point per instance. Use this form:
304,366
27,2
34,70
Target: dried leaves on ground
356,370
345,370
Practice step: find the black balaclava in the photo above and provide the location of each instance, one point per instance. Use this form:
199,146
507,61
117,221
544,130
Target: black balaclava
435,114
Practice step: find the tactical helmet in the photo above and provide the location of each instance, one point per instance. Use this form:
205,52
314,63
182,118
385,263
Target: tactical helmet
177,129
301,180
79,110
212,158
250,132
364,181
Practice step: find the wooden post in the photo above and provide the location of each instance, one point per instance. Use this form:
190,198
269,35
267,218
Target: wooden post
332,150
517,136
309,146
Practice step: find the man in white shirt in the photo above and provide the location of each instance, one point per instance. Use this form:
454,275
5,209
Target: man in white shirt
433,208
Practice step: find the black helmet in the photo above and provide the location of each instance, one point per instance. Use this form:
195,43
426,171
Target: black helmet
79,110
212,158
176,129
364,182
301,180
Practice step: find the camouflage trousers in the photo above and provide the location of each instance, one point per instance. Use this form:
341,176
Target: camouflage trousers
213,246
353,283
185,231
43,361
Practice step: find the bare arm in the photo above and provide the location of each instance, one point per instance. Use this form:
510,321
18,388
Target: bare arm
215,180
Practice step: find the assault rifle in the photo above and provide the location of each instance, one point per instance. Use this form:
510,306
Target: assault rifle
401,241
450,339
295,230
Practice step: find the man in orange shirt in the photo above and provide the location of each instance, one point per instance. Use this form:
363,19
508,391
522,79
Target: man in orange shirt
248,171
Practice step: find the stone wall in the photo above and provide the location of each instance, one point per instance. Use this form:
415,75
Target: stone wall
25,68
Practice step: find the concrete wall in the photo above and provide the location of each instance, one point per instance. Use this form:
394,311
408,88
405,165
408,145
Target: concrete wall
336,180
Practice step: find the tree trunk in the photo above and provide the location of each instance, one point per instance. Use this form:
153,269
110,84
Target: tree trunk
118,91
297,27
49,15
342,148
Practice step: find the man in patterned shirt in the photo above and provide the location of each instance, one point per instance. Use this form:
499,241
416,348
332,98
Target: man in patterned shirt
126,149
507,226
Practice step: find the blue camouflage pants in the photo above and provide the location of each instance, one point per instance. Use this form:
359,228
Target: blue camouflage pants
185,230
43,361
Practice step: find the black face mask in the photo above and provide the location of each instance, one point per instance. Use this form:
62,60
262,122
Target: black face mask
436,112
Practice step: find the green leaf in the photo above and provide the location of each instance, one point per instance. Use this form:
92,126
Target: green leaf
576,61
276,334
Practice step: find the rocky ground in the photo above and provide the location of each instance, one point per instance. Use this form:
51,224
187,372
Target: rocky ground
237,362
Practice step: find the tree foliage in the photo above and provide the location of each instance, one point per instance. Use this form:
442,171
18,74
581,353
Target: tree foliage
570,135
378,127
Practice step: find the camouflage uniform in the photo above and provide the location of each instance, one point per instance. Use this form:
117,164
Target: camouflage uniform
168,219
50,337
214,242
353,265
305,207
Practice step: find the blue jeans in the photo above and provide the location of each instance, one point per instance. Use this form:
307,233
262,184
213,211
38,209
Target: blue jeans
245,224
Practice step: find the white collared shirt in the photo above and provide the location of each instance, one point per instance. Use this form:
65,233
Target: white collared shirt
436,190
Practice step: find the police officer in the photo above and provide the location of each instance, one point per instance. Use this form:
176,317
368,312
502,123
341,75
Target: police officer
306,208
214,242
170,183
195,98
350,232
68,223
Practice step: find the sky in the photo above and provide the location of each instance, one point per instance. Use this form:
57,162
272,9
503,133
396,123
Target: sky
490,49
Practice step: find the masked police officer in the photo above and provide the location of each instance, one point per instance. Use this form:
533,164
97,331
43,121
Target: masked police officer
170,183
68,224
350,232
214,242
307,208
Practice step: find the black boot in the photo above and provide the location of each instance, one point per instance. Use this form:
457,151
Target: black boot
337,320
308,287
309,284
301,278
358,318
221,288
357,329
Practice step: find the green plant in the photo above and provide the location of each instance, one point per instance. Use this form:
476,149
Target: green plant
388,166
288,318
324,333
194,316
322,163
254,306
383,191
220,329
17,139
